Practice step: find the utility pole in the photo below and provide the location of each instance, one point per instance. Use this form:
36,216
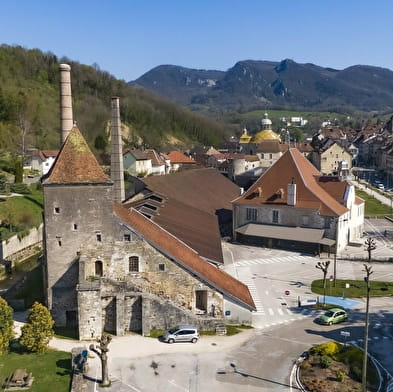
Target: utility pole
323,266
367,269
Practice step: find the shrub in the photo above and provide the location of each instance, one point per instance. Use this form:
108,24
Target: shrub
23,189
340,375
326,361
38,330
330,349
6,325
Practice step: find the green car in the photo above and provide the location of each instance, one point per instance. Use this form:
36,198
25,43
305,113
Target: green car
333,316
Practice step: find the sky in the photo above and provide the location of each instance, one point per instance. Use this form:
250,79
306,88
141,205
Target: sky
127,38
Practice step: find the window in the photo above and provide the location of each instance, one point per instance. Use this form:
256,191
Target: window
305,220
251,214
133,264
127,237
99,238
275,216
59,242
161,267
75,227
98,269
270,156
57,210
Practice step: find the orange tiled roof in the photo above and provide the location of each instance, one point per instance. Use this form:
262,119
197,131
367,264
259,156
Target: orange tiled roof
187,257
179,157
76,163
293,166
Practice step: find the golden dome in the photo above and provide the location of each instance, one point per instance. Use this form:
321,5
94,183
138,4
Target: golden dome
264,135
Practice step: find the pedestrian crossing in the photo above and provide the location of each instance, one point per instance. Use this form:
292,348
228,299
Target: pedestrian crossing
273,260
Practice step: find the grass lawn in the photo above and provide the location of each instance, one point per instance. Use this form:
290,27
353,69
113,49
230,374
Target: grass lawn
51,371
357,288
24,211
374,207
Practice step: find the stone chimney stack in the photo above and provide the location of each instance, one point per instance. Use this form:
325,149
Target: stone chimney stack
65,102
117,169
291,192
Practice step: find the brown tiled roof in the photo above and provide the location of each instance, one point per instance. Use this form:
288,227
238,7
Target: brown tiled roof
198,229
76,163
179,157
269,146
156,160
205,189
184,255
292,167
44,154
138,154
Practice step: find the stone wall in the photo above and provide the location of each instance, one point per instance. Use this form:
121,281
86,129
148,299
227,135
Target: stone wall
15,248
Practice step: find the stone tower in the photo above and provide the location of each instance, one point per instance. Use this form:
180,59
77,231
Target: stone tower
66,119
117,170
78,204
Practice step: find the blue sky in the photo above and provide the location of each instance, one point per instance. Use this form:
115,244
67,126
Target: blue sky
129,37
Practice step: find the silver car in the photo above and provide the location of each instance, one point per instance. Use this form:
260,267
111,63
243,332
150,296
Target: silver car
182,333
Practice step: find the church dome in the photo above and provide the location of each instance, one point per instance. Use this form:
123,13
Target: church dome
266,133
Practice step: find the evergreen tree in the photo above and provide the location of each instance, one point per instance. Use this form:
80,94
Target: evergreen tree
38,330
18,171
6,325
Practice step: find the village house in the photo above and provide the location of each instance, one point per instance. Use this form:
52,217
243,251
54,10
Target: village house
41,160
292,205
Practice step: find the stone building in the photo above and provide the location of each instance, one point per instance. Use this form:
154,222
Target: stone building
292,205
112,268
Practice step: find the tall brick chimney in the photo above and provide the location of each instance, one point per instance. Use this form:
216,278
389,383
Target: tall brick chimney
66,120
117,169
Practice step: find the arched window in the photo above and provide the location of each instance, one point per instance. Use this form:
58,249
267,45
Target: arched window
133,264
98,268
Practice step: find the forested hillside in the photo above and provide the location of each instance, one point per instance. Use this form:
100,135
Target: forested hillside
29,107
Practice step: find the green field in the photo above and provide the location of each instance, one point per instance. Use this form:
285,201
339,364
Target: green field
20,213
374,207
51,371
357,288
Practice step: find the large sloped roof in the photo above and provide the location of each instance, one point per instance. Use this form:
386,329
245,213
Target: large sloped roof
184,255
293,167
76,164
205,189
198,229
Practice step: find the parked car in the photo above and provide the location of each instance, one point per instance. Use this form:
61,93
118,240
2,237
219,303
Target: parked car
182,333
381,187
333,316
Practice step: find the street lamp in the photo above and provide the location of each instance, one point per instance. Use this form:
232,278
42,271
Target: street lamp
367,269
323,266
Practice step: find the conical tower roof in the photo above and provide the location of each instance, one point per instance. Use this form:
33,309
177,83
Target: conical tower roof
76,164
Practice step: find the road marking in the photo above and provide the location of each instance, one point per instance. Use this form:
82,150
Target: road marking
280,312
271,311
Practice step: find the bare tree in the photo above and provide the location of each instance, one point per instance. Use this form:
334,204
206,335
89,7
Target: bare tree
101,350
323,266
369,246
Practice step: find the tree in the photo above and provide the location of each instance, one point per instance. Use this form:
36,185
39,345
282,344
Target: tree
6,325
101,350
369,246
38,330
18,171
323,266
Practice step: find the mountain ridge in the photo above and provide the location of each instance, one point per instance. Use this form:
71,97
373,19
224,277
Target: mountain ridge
286,84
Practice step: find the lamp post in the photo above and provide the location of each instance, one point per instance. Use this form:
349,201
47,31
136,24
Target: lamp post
323,266
367,269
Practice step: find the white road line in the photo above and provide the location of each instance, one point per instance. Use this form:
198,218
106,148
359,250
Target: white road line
280,312
271,311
